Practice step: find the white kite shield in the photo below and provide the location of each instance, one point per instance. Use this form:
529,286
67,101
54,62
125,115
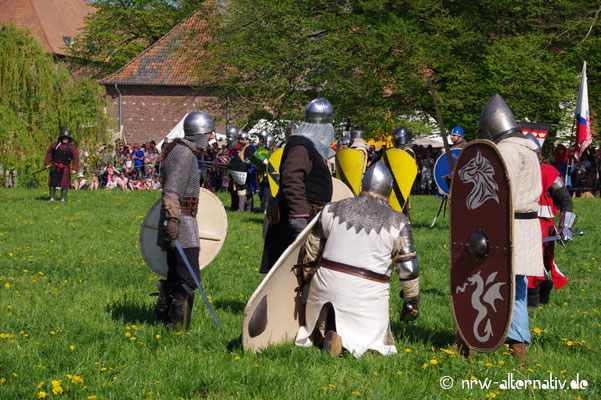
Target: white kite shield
274,312
212,231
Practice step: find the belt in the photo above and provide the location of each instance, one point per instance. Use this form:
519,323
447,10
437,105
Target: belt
349,269
189,206
528,215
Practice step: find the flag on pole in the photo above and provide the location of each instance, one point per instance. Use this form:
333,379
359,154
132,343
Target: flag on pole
583,120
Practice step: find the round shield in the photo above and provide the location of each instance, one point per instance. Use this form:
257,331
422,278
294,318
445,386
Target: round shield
350,166
442,171
404,171
482,279
212,231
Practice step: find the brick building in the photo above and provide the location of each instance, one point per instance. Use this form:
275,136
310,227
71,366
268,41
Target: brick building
156,89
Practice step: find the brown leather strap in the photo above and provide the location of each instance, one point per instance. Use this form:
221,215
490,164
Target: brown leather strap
189,206
349,269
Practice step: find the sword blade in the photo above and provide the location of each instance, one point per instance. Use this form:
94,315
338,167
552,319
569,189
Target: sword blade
202,293
442,201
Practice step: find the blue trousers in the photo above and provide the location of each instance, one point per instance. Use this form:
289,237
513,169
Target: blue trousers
520,325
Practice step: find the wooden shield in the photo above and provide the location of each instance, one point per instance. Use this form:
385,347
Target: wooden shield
404,171
273,171
350,166
274,313
212,231
482,278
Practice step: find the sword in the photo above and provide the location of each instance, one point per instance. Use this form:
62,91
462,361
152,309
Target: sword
37,172
442,203
204,296
559,239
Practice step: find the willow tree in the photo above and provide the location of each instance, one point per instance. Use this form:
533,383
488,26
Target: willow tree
38,97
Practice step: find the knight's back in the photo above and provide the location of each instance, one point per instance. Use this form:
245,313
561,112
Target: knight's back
361,231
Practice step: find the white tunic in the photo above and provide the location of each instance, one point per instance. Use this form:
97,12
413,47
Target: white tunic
361,306
526,188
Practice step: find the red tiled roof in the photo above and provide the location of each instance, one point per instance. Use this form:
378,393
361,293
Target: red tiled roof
165,62
51,21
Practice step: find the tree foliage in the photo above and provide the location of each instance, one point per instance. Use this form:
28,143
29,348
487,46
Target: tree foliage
375,57
121,29
39,97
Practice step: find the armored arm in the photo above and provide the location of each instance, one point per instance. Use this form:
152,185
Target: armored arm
177,172
407,267
567,219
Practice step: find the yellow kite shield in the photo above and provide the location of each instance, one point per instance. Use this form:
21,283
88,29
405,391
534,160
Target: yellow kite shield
274,312
404,171
273,171
212,230
350,166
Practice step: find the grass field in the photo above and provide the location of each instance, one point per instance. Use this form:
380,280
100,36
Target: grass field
77,321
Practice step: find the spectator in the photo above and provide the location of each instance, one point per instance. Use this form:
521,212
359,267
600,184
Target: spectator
122,181
137,156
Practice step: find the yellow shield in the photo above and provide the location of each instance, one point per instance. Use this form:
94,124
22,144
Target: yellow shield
404,171
350,166
273,171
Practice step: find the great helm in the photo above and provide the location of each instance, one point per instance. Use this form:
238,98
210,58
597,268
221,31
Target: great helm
457,131
65,134
377,180
496,120
319,111
269,140
198,123
231,134
401,136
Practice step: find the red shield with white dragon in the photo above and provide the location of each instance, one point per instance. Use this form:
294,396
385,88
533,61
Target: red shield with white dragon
482,279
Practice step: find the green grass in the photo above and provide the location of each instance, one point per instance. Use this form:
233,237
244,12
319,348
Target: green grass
74,300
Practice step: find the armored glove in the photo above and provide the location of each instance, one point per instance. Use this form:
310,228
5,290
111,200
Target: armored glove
567,220
297,225
171,230
410,309
171,205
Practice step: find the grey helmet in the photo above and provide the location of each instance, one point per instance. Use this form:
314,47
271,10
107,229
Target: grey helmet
401,137
198,123
319,111
539,148
345,140
357,134
290,128
263,134
231,134
496,120
269,140
65,134
377,180
243,135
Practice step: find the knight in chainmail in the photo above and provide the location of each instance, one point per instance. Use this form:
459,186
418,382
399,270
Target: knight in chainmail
360,240
305,180
181,188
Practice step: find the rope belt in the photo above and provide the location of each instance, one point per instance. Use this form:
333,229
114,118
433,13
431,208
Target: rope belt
189,206
528,215
349,269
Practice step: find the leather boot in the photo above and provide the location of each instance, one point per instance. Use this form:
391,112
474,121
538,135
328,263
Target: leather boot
161,309
545,290
462,347
181,308
52,191
533,296
518,350
332,344
64,194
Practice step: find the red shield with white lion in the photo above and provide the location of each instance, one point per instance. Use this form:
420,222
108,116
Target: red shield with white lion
482,279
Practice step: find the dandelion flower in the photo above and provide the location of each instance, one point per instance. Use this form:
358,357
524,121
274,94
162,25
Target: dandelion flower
42,394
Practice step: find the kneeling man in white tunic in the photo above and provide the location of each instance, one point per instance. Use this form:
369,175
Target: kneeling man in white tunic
361,240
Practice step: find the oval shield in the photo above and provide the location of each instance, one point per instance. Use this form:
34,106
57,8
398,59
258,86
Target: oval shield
274,312
350,166
212,231
481,273
404,171
442,171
